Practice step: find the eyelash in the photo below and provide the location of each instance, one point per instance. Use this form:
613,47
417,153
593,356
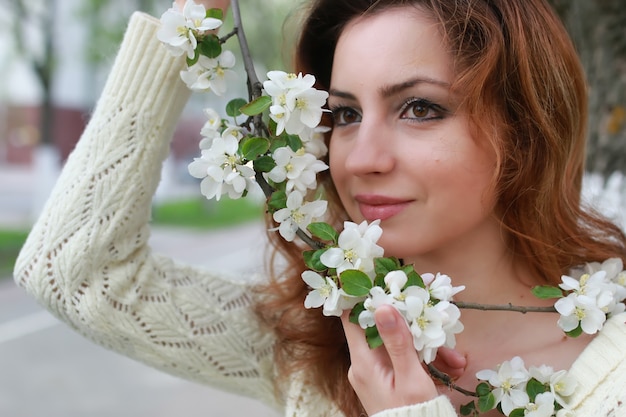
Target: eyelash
429,106
338,110
439,112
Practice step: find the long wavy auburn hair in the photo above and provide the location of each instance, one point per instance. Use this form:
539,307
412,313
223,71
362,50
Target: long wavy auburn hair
525,93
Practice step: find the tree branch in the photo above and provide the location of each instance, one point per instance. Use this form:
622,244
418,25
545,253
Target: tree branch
255,89
503,307
448,381
254,85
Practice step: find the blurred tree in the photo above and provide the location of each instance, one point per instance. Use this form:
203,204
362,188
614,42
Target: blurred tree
106,21
598,28
32,25
263,23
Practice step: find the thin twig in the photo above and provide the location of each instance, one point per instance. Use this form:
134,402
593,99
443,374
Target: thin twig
448,381
229,35
504,307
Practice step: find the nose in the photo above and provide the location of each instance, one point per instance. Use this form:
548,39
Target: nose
372,149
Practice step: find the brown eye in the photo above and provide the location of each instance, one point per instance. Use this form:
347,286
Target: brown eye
345,116
421,110
418,110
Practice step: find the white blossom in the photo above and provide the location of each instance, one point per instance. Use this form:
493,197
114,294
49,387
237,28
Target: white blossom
315,143
598,293
213,123
298,214
325,293
296,105
179,29
542,407
376,298
562,386
210,74
612,267
357,248
307,111
541,373
580,310
589,285
299,169
509,381
561,383
425,323
395,282
440,286
221,170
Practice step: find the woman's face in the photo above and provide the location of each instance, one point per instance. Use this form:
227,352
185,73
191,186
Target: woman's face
401,148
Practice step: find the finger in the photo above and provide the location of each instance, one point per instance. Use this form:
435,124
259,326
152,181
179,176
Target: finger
450,361
398,343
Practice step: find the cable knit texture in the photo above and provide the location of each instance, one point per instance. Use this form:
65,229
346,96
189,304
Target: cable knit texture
88,262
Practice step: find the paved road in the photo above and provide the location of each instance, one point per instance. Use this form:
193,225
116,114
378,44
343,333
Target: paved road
47,370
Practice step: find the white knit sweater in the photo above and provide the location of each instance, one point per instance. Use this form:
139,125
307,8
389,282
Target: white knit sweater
88,262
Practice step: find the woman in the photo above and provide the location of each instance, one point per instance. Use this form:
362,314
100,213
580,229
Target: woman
459,124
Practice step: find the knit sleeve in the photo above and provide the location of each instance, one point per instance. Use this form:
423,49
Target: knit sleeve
601,373
87,259
438,407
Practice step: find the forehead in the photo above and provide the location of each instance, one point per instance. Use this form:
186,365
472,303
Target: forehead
393,43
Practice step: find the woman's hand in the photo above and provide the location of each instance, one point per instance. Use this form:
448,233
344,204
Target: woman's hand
392,375
208,4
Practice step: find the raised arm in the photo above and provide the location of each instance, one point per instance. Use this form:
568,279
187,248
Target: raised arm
87,258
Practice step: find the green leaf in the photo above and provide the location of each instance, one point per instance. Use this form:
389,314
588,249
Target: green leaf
210,46
277,201
414,279
312,260
355,282
576,332
373,337
483,389
468,409
486,402
257,106
546,291
379,281
252,148
271,126
233,108
294,141
356,311
215,13
386,265
534,387
324,231
278,142
264,164
518,412
194,60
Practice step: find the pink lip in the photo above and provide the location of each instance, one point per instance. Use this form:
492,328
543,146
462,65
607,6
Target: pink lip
374,207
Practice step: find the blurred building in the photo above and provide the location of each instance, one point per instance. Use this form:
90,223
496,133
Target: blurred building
74,85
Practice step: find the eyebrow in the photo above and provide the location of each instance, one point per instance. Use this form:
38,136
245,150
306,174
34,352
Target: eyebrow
392,89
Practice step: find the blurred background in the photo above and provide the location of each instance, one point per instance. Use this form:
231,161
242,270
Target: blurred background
54,58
